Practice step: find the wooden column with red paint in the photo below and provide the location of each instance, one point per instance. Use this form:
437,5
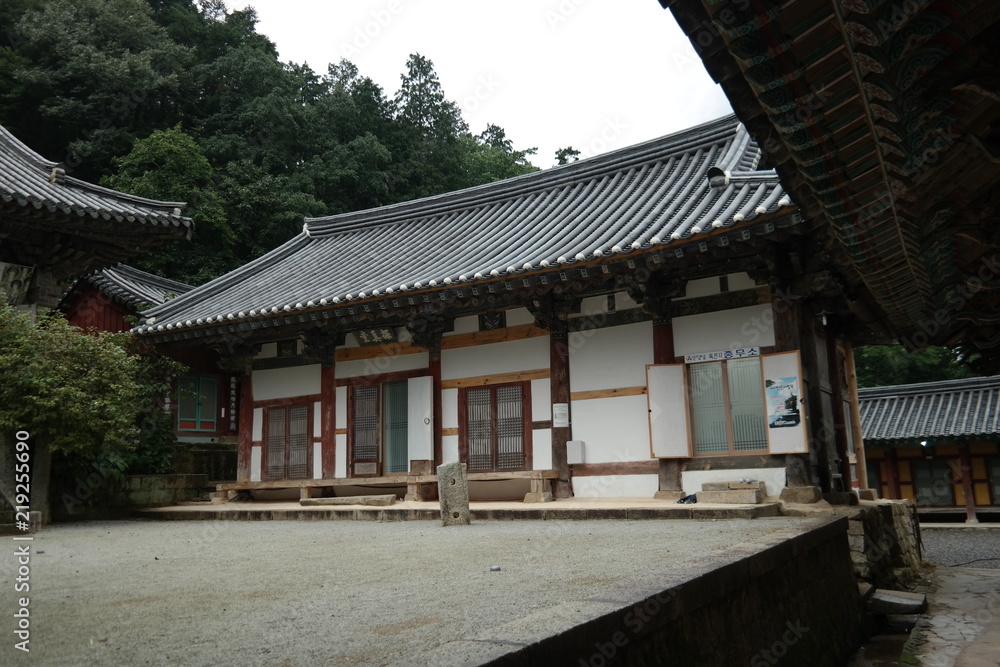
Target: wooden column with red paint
434,367
965,461
328,419
892,473
245,427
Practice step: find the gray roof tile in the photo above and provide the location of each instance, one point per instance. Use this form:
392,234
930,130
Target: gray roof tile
31,181
655,193
136,288
946,409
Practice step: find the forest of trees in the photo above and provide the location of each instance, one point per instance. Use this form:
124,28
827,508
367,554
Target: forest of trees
185,101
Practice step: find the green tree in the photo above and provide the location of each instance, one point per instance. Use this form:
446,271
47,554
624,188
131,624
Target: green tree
567,155
70,391
92,75
169,164
884,365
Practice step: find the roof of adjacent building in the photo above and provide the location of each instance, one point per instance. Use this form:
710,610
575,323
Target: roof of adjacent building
31,181
135,288
951,409
628,201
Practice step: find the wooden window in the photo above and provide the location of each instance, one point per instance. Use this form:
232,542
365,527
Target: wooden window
727,407
495,427
933,480
197,404
287,442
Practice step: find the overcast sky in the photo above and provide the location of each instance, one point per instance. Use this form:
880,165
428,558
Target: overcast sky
593,74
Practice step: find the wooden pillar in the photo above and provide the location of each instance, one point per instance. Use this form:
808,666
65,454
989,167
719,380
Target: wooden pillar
837,382
670,470
892,472
434,367
859,436
965,462
246,427
562,486
328,420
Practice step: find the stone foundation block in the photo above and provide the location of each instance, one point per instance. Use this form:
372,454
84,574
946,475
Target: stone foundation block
801,494
672,496
376,501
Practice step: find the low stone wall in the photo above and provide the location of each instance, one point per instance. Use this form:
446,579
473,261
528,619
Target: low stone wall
882,540
795,602
217,461
108,497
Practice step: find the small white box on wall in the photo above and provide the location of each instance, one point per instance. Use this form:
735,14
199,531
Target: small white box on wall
574,451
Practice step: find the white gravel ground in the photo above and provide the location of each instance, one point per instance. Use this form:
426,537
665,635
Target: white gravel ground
325,593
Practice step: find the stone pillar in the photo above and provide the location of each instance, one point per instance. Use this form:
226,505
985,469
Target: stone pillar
453,490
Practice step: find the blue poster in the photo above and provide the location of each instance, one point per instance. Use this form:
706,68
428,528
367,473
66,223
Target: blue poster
782,396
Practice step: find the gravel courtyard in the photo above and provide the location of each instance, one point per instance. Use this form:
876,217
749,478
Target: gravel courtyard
969,547
328,593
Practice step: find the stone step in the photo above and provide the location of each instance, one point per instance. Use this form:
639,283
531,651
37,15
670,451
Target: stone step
897,602
376,501
801,495
732,497
733,486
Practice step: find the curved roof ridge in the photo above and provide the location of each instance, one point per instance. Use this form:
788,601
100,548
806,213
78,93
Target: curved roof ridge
528,184
936,386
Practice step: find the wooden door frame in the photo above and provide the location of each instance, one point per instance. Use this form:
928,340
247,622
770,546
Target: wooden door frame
526,421
288,405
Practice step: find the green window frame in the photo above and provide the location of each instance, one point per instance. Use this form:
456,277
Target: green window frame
197,404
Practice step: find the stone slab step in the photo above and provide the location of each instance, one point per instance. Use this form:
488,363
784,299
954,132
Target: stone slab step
897,602
733,486
374,501
732,497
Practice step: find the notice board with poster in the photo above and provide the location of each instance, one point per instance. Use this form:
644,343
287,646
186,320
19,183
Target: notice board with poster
786,411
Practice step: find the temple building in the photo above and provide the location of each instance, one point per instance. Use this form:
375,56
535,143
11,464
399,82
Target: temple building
632,324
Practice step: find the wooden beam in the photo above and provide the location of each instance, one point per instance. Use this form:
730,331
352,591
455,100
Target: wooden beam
497,378
607,393
376,351
391,480
519,332
651,467
449,431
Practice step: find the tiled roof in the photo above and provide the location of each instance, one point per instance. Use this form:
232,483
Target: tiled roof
652,194
136,288
32,182
946,409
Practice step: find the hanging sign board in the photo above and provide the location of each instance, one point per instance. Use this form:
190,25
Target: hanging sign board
721,355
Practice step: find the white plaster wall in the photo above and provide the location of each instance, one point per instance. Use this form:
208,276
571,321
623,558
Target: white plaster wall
610,358
449,408
378,365
613,429
351,341
624,302
403,335
317,460
701,287
341,416
518,355
317,419
541,400
286,382
340,466
449,449
518,316
463,325
267,351
255,458
740,281
773,478
541,449
616,486
724,330
258,425
592,305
